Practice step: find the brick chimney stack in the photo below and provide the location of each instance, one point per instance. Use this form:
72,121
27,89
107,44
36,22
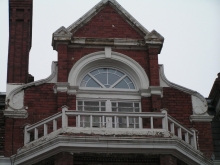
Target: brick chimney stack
20,35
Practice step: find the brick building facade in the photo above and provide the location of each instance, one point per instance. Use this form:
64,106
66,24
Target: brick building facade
107,100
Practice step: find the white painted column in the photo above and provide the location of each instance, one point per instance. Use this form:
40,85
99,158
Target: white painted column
45,129
78,121
108,109
54,125
193,139
187,137
90,117
172,128
127,119
64,117
165,119
179,133
151,122
26,135
35,133
140,123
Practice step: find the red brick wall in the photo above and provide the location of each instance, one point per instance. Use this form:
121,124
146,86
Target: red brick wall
20,24
168,160
107,24
64,158
179,106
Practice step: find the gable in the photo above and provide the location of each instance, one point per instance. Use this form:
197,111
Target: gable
108,23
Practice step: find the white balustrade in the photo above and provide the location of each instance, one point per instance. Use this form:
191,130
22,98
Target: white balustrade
106,117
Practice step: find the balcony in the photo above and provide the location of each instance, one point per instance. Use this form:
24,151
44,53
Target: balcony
110,123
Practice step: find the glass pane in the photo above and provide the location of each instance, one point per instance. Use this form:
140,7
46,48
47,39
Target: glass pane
131,85
111,70
128,80
112,78
122,122
137,110
103,70
114,109
120,74
79,108
125,109
102,103
121,104
91,108
122,84
93,103
79,102
95,72
113,104
86,78
136,104
92,83
102,109
102,78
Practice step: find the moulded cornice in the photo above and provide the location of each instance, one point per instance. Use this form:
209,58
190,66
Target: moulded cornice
154,38
49,146
15,112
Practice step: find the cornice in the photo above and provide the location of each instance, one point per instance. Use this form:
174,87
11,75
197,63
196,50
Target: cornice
14,112
49,146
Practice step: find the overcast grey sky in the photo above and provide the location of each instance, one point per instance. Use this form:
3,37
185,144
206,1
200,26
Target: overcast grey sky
190,54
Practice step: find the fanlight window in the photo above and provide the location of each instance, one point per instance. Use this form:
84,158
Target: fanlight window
107,78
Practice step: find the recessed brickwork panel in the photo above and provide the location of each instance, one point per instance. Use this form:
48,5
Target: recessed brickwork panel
107,24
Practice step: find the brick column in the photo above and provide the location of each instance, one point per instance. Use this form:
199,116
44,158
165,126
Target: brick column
153,52
62,63
167,160
64,158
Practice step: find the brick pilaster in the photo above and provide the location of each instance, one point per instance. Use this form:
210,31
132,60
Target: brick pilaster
62,63
153,52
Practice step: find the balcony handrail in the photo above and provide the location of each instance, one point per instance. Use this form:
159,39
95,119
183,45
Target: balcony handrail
171,119
44,121
112,114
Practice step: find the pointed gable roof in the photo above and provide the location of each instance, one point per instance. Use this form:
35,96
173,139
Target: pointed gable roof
91,13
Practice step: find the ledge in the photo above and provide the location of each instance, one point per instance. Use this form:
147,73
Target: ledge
199,118
16,113
110,144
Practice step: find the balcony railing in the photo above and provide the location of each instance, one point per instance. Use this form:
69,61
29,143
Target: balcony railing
111,120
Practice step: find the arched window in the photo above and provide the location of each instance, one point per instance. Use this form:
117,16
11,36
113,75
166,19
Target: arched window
107,78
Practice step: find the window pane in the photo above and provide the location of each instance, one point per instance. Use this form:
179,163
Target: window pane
95,72
131,85
122,84
91,108
128,80
111,70
92,83
112,78
102,78
79,108
136,104
102,103
103,70
93,103
121,104
120,74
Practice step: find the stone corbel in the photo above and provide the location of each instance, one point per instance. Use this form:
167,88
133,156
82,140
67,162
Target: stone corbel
201,118
156,90
145,92
61,87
